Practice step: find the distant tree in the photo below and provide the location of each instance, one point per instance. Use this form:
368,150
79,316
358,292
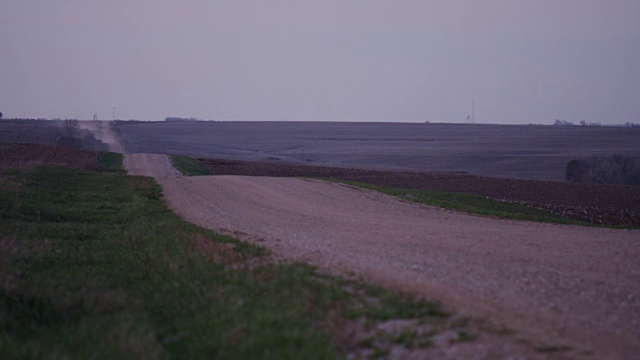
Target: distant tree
70,126
574,172
584,123
54,133
616,169
562,123
180,119
0,115
605,171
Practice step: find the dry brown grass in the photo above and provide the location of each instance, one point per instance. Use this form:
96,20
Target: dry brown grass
32,155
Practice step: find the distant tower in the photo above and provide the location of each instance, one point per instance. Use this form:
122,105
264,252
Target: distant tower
95,117
473,111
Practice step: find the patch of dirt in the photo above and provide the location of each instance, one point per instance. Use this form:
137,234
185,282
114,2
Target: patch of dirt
599,204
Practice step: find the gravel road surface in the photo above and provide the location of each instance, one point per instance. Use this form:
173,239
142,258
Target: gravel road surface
558,286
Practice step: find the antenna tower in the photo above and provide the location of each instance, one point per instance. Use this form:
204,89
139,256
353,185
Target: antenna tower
473,111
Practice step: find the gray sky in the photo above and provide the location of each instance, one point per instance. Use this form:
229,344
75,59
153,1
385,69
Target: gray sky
395,60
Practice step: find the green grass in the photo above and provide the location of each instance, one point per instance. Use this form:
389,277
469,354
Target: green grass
188,166
110,162
94,265
470,204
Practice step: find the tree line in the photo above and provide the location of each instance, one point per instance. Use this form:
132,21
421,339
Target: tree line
616,169
176,119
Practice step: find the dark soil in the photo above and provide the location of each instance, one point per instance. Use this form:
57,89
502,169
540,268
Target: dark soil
24,155
599,204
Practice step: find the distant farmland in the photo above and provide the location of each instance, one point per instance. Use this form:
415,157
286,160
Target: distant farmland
526,152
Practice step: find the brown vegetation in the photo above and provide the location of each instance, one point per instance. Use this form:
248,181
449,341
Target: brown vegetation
25,155
66,133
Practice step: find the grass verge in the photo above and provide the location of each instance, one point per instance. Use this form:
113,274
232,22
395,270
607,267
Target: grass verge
470,204
94,265
188,166
110,162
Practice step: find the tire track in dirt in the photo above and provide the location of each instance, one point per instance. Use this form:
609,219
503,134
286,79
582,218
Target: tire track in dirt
558,285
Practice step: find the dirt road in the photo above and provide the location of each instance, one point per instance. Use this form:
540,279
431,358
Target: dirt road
558,285
103,131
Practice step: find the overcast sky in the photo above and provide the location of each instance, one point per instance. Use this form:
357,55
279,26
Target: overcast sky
524,61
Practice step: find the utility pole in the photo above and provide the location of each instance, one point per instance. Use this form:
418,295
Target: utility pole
473,111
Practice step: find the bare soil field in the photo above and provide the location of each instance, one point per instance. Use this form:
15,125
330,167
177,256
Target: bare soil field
510,151
27,131
600,204
560,291
26,155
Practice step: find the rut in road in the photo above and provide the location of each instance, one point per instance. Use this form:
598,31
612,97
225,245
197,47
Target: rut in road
568,284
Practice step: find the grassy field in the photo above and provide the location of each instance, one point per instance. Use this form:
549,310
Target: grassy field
94,265
188,166
110,162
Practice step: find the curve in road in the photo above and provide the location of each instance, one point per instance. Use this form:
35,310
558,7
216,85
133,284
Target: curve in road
558,284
